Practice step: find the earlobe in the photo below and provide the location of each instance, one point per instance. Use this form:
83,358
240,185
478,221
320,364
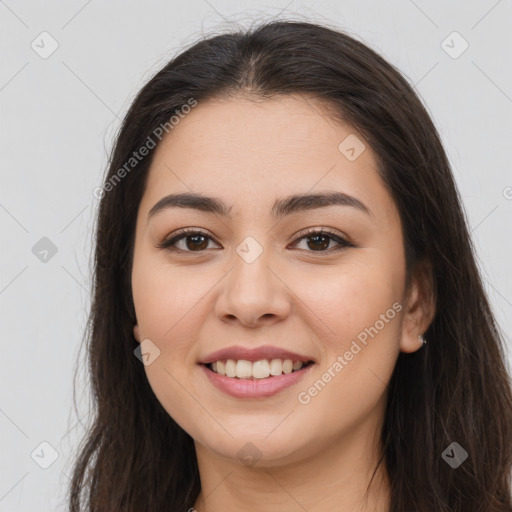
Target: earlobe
419,311
412,341
136,332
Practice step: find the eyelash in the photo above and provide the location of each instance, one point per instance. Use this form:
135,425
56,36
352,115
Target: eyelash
186,232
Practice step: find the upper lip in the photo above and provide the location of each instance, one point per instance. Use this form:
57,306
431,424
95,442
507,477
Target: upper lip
253,354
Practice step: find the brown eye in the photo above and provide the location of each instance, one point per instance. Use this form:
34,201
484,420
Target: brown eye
194,241
318,241
197,242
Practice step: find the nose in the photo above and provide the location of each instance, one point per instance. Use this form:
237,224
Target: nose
253,294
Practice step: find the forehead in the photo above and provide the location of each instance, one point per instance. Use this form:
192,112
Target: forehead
250,152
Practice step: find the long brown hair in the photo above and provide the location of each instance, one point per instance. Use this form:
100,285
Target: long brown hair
135,457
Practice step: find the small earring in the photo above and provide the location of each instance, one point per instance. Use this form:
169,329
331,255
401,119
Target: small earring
421,339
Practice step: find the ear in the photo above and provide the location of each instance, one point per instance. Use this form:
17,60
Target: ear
420,305
136,332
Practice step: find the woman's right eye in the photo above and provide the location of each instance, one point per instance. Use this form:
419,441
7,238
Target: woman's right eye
197,237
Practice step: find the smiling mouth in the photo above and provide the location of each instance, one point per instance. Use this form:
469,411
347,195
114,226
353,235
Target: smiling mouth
257,370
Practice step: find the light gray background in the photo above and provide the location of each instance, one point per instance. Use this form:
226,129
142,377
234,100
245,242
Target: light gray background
58,118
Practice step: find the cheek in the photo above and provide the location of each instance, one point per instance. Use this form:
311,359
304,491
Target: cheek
347,299
167,303
356,321
165,297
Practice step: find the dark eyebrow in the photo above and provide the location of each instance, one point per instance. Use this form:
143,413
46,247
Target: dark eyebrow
281,208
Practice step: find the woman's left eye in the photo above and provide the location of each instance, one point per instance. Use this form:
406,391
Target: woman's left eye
322,237
319,240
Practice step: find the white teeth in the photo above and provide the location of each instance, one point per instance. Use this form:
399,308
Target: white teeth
230,368
243,369
276,367
262,369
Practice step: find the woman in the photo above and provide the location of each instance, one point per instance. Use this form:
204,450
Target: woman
287,313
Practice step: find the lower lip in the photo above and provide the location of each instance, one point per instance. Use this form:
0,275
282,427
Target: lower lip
257,388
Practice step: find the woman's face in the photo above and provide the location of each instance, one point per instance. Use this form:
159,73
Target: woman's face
257,276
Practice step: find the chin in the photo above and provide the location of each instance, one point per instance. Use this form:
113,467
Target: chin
256,449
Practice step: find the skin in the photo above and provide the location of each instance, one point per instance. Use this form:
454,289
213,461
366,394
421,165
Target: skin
316,456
